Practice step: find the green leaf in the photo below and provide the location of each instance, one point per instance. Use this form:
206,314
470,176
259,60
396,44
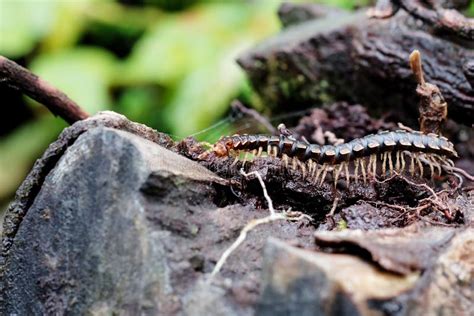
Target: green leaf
19,150
23,23
203,97
82,73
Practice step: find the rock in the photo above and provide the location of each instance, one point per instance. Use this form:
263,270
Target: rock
301,282
369,282
121,225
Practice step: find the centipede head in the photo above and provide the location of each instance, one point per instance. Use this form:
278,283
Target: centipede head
222,147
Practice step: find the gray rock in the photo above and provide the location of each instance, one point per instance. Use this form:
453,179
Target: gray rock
122,225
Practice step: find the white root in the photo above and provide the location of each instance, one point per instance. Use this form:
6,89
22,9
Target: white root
274,216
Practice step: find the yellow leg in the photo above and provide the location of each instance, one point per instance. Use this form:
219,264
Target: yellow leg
420,165
324,172
285,160
346,171
397,162
362,165
412,165
303,168
390,164
384,162
336,172
402,156
356,170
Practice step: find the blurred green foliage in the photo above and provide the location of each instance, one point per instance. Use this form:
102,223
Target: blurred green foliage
169,64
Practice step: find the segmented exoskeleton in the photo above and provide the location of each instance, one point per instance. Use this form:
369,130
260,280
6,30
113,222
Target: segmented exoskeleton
398,151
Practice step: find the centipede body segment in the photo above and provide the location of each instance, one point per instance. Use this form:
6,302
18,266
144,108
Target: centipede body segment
376,154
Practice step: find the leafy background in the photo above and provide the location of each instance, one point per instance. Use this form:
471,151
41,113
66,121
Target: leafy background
165,63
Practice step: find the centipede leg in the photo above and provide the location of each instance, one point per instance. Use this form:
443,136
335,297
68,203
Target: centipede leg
314,166
390,164
318,173
235,161
303,168
336,172
384,162
430,164
372,168
362,165
274,152
369,165
356,170
374,171
294,163
346,171
420,165
412,165
260,151
437,165
402,167
324,172
246,156
285,160
397,161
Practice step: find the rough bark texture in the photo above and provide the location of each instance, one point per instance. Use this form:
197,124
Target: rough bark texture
19,78
347,56
111,222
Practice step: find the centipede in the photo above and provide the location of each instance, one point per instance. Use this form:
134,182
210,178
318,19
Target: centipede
376,155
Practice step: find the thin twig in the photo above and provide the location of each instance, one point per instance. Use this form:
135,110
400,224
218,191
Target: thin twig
274,216
255,115
19,78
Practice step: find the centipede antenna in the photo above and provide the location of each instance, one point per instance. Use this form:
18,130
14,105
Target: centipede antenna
323,176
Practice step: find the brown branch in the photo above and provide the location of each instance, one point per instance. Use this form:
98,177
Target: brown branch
441,19
433,108
19,78
430,12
